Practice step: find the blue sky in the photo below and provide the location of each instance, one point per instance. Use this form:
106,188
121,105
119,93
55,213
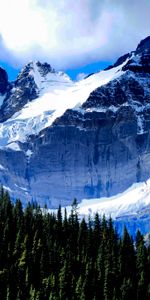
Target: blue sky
73,36
81,72
11,71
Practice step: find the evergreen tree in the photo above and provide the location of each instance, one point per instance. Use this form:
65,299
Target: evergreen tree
127,263
141,266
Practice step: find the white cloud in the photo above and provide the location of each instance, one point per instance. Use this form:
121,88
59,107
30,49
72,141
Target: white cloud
71,32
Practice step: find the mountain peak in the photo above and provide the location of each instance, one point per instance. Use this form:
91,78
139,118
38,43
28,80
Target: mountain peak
42,68
144,45
140,58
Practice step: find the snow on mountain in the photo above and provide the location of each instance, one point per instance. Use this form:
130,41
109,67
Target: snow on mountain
130,208
135,198
127,203
47,79
57,93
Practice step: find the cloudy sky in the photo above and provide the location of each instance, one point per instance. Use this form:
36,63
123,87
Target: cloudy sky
79,36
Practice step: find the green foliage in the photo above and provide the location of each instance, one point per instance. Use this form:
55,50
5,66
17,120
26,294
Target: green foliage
48,257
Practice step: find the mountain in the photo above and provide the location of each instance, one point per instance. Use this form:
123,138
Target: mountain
89,139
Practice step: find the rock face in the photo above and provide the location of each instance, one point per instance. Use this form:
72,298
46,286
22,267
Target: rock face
3,81
13,173
96,150
98,154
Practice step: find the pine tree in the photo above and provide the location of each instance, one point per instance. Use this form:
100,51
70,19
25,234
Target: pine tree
65,282
82,240
96,234
127,263
126,290
141,266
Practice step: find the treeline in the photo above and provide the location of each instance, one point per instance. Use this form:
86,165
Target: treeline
44,256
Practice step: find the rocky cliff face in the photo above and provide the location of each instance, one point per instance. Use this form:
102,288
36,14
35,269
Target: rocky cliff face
96,149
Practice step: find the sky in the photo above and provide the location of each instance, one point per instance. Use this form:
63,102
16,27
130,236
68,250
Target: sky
76,36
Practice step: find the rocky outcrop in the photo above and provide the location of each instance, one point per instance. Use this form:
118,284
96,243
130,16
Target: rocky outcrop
129,89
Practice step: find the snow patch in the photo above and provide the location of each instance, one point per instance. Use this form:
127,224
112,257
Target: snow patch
7,188
102,109
14,146
2,168
29,153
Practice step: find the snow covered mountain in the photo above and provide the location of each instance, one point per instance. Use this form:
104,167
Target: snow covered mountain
40,95
61,139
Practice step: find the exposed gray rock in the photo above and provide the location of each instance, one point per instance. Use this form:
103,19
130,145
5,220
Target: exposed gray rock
128,88
13,173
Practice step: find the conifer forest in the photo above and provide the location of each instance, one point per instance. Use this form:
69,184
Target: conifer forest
47,256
